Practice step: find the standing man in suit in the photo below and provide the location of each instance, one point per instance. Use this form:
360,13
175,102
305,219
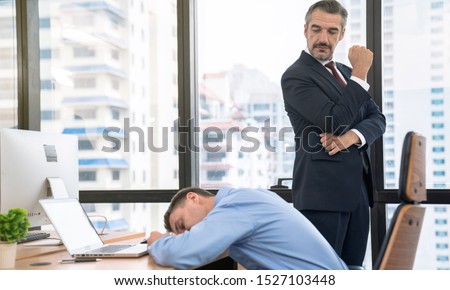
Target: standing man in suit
335,121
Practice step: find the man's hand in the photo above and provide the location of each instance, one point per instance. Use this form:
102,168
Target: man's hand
334,144
361,59
154,236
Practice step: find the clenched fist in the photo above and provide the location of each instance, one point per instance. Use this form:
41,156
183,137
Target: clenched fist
361,59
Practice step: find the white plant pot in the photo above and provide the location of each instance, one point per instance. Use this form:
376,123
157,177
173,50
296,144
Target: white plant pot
7,255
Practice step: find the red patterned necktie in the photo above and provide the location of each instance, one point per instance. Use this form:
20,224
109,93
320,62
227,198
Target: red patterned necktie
331,66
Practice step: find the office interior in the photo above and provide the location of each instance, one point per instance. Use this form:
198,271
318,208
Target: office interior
185,78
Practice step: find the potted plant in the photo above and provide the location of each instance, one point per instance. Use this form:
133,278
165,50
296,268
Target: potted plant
13,227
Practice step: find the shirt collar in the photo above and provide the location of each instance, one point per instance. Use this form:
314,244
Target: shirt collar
221,193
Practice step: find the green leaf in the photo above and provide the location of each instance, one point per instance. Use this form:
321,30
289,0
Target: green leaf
13,225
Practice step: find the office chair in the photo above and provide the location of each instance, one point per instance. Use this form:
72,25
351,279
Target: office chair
399,247
280,184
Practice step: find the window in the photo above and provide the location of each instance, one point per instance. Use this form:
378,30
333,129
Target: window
83,83
215,156
438,149
437,125
44,23
424,95
437,5
115,84
439,173
437,90
115,114
49,115
82,114
261,107
116,175
46,85
239,85
46,53
85,145
442,258
437,102
83,51
115,54
65,27
216,175
92,47
8,66
441,233
390,175
390,163
437,114
440,209
87,176
441,246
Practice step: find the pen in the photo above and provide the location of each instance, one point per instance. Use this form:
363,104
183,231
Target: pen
64,261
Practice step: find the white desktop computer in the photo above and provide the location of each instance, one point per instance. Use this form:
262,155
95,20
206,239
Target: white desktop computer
36,165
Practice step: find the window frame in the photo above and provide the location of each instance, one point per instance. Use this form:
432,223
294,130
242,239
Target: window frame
29,109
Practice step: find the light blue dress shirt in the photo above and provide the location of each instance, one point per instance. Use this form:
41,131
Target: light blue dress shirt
258,229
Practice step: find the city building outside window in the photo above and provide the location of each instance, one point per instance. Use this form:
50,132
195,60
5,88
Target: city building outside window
91,79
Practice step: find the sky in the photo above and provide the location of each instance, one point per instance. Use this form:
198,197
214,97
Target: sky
270,38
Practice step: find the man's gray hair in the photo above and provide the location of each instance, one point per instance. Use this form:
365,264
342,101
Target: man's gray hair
328,6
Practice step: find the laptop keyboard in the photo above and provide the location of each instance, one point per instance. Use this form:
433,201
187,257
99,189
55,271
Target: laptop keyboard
109,249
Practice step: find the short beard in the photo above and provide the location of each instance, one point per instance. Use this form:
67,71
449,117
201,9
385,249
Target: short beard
321,57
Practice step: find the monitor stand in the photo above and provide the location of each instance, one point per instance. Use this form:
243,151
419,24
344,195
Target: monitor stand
56,188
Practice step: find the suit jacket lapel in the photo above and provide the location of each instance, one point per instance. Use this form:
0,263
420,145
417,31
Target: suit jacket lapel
320,69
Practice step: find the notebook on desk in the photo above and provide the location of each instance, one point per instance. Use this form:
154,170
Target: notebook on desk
79,235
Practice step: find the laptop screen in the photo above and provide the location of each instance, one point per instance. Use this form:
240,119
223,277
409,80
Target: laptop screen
71,223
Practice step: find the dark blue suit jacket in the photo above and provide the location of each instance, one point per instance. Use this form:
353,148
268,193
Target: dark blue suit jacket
315,102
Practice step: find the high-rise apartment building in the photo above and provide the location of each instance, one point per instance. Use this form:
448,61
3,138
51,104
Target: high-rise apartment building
109,76
255,129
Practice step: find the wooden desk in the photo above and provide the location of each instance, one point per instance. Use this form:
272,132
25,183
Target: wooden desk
49,257
51,262
27,250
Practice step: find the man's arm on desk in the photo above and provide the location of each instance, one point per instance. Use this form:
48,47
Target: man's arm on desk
204,243
155,235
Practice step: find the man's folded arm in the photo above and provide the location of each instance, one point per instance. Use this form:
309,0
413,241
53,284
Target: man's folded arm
205,242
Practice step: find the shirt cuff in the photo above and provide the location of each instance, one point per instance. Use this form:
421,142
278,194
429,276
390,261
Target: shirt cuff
362,83
361,137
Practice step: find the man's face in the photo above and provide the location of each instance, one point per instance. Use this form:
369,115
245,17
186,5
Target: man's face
323,33
187,215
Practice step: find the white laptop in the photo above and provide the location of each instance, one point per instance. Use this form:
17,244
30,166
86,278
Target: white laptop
79,235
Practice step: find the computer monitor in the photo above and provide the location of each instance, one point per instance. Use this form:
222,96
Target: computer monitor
36,165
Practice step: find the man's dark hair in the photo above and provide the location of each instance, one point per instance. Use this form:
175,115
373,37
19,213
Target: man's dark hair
328,6
178,200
